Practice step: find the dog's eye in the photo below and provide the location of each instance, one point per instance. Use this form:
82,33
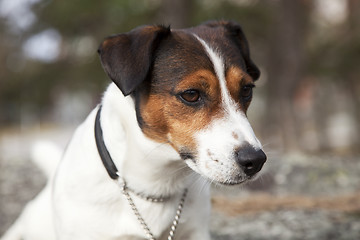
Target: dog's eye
246,91
190,96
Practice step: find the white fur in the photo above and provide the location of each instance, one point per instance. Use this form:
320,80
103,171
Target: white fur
85,203
216,143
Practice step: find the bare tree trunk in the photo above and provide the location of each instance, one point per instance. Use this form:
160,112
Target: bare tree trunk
176,13
353,17
353,75
285,69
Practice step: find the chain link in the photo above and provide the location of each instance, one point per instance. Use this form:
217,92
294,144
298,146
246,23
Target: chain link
141,220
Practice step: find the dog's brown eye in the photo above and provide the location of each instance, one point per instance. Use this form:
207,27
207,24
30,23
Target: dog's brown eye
190,96
246,91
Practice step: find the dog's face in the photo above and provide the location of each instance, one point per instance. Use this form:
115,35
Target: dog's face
192,89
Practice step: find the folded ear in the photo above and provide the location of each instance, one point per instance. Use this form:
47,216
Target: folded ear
238,36
127,57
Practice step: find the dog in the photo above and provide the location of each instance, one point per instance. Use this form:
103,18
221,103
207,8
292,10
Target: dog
172,122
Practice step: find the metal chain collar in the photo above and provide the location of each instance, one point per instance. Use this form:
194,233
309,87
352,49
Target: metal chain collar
141,220
150,198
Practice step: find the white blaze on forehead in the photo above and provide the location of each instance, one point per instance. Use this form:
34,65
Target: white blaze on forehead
234,120
219,68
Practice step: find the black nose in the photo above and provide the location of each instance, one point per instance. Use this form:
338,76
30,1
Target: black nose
250,160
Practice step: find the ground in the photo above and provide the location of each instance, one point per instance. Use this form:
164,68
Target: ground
298,196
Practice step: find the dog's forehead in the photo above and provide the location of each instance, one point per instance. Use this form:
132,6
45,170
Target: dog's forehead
184,53
222,42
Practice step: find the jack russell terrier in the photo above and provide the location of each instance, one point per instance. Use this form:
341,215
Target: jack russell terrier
172,122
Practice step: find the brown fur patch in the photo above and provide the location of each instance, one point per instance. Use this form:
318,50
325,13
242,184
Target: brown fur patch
203,80
236,78
168,119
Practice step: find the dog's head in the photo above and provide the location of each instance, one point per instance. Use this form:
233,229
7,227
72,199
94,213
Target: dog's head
192,88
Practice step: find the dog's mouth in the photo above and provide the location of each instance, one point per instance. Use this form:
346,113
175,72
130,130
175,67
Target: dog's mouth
235,182
231,182
220,179
187,155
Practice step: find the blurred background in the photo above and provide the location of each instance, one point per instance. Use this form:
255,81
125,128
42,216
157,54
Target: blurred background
306,109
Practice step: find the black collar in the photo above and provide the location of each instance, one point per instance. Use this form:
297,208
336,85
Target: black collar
110,166
103,152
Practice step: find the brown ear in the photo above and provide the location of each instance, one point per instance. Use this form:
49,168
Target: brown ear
239,38
127,57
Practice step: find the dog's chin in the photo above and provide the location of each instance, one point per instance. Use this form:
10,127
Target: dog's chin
232,182
238,179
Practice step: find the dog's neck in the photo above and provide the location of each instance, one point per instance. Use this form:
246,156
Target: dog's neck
149,167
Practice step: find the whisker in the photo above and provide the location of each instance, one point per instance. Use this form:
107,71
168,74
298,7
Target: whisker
205,184
198,179
181,169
